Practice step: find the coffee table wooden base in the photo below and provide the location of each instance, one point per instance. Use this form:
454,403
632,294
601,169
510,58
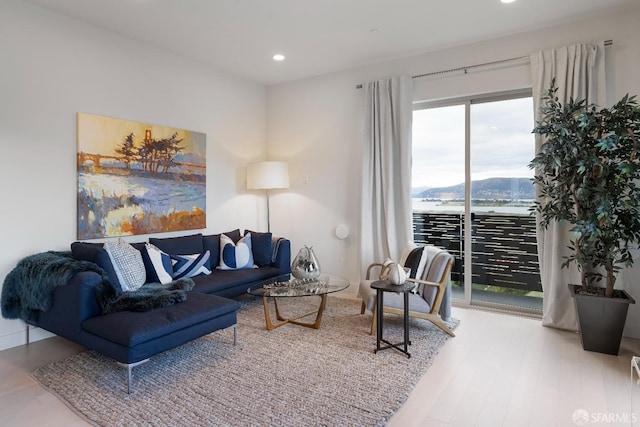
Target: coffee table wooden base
294,320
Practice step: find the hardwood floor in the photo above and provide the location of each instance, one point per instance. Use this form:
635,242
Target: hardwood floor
503,370
22,401
499,370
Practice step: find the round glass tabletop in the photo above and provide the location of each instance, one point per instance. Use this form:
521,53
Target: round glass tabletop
324,284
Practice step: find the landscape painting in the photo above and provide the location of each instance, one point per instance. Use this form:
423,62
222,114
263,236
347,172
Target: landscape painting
138,178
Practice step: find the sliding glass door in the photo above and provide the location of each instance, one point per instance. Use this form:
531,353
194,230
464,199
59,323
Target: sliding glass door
471,194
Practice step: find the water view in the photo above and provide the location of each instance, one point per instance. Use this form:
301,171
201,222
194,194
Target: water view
520,207
128,205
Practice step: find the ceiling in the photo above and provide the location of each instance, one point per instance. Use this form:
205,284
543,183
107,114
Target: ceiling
317,37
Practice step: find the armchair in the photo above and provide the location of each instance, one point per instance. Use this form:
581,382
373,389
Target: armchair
430,270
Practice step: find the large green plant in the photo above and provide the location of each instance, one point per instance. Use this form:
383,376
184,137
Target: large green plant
587,173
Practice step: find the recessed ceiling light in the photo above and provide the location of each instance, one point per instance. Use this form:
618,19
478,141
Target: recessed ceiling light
507,1
278,57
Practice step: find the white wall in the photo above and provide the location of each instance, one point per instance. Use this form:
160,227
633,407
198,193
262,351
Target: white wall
316,124
52,67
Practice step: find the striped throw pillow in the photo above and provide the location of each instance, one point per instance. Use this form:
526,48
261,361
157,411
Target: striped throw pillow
190,265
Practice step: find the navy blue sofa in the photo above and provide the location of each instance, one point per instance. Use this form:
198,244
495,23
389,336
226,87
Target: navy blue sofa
131,338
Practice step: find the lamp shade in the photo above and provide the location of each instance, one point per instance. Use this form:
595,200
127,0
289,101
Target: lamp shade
267,175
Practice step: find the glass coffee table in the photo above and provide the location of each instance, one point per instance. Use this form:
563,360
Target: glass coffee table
322,286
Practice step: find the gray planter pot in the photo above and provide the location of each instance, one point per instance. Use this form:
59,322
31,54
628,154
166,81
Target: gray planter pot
601,320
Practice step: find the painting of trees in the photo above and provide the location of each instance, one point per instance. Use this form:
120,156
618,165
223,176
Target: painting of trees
158,155
138,178
127,150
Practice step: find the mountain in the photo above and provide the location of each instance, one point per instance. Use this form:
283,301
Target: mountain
490,188
415,191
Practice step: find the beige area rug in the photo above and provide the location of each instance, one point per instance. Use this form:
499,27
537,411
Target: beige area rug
291,376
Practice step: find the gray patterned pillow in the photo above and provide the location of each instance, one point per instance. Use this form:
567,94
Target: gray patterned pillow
127,263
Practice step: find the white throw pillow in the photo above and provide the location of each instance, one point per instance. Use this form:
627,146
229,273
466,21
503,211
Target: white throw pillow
235,256
161,262
127,263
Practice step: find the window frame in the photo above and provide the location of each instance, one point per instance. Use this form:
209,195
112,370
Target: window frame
467,101
474,99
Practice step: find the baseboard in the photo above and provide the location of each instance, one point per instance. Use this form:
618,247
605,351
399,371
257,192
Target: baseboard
20,338
13,340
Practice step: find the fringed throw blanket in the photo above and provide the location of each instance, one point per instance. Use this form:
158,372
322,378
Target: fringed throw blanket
148,297
29,287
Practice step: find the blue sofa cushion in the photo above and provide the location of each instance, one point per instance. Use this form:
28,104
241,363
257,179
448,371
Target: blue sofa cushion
211,243
130,329
84,251
104,262
95,253
151,348
219,280
234,235
183,245
262,248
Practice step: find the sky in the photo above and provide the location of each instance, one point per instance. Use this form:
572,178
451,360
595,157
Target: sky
102,135
502,144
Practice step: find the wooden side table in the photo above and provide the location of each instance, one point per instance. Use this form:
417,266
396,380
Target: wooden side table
381,287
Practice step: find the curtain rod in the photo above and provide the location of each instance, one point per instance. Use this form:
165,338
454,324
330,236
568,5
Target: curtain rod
469,67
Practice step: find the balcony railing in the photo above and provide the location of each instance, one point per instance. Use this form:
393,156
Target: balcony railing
504,252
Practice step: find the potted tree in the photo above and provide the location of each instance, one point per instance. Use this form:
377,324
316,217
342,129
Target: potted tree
587,172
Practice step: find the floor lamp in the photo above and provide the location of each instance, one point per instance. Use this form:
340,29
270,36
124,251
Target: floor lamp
267,176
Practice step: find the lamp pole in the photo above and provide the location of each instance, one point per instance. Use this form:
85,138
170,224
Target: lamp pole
268,214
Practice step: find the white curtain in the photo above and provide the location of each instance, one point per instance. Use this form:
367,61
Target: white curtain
579,74
386,216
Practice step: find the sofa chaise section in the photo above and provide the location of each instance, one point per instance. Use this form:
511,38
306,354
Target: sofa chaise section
132,337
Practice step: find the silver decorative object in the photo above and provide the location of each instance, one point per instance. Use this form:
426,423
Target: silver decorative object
305,265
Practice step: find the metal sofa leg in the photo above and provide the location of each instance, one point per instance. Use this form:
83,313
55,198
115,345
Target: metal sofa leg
130,367
235,333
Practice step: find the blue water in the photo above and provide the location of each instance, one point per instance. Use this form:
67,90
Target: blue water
420,205
155,195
